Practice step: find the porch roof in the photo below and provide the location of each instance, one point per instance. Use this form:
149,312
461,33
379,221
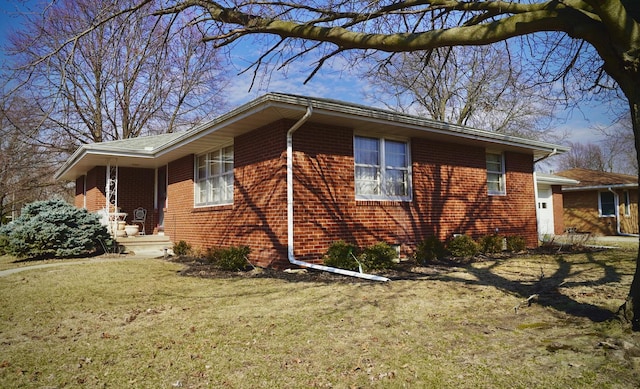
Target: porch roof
158,150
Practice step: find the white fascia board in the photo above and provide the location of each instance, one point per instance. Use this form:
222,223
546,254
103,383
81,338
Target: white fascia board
600,187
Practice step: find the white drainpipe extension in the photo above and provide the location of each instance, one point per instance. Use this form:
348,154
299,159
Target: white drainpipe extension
290,240
617,204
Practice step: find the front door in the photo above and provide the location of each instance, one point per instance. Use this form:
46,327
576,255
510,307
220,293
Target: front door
545,212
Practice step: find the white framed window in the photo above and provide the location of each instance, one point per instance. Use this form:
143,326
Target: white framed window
214,177
627,203
495,174
606,204
382,169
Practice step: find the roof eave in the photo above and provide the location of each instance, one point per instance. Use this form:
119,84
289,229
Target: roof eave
600,187
85,150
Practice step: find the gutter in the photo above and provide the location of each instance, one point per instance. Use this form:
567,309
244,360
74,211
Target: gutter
551,154
617,204
290,240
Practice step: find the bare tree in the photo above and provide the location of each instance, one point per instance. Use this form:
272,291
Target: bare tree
581,45
482,87
585,156
130,75
26,169
619,145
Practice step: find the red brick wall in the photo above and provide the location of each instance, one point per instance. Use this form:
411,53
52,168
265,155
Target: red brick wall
135,189
257,217
78,200
96,180
558,209
450,196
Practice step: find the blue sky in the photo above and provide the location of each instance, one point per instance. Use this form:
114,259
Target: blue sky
335,80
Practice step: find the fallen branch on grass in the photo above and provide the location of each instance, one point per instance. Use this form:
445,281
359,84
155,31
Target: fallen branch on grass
528,301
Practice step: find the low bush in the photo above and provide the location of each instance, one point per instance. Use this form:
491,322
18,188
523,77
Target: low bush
491,244
54,229
462,246
234,258
429,250
516,243
181,248
378,257
341,255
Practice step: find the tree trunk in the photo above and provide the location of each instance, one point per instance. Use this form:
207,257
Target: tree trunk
630,310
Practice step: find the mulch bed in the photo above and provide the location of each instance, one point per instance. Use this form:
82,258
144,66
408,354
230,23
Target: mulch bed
405,270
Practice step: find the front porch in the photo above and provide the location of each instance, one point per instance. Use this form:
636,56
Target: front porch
153,246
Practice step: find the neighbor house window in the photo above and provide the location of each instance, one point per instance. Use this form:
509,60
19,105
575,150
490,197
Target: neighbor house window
382,169
627,203
495,174
607,204
214,177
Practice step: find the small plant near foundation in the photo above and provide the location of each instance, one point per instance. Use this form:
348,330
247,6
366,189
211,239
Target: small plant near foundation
234,258
516,244
342,255
491,244
379,256
429,250
182,248
462,246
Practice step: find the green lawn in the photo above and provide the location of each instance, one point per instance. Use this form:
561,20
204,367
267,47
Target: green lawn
141,324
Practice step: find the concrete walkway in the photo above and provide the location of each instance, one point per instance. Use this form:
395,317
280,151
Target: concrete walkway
101,259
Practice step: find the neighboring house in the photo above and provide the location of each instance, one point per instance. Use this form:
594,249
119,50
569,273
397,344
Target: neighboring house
289,175
602,203
549,204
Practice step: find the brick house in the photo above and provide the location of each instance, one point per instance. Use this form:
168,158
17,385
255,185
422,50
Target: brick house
288,175
602,203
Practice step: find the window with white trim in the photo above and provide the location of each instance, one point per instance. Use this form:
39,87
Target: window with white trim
627,203
214,177
382,169
606,204
495,174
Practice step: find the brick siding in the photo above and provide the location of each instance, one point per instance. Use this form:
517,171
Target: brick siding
581,213
449,196
135,189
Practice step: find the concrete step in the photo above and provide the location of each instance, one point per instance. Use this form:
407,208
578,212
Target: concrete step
153,246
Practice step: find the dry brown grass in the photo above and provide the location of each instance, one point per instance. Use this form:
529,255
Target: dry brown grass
143,324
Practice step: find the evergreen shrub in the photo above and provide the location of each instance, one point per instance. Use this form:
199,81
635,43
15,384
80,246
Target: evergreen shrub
378,257
54,229
491,244
181,248
429,250
516,243
341,255
234,258
462,246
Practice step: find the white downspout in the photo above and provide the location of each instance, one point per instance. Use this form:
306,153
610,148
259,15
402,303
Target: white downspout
290,240
617,204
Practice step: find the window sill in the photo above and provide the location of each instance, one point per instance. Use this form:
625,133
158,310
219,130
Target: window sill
212,207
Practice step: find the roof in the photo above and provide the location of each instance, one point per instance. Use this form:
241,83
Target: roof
158,150
595,180
553,179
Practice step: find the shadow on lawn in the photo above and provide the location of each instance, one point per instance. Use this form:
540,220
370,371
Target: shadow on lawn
547,287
